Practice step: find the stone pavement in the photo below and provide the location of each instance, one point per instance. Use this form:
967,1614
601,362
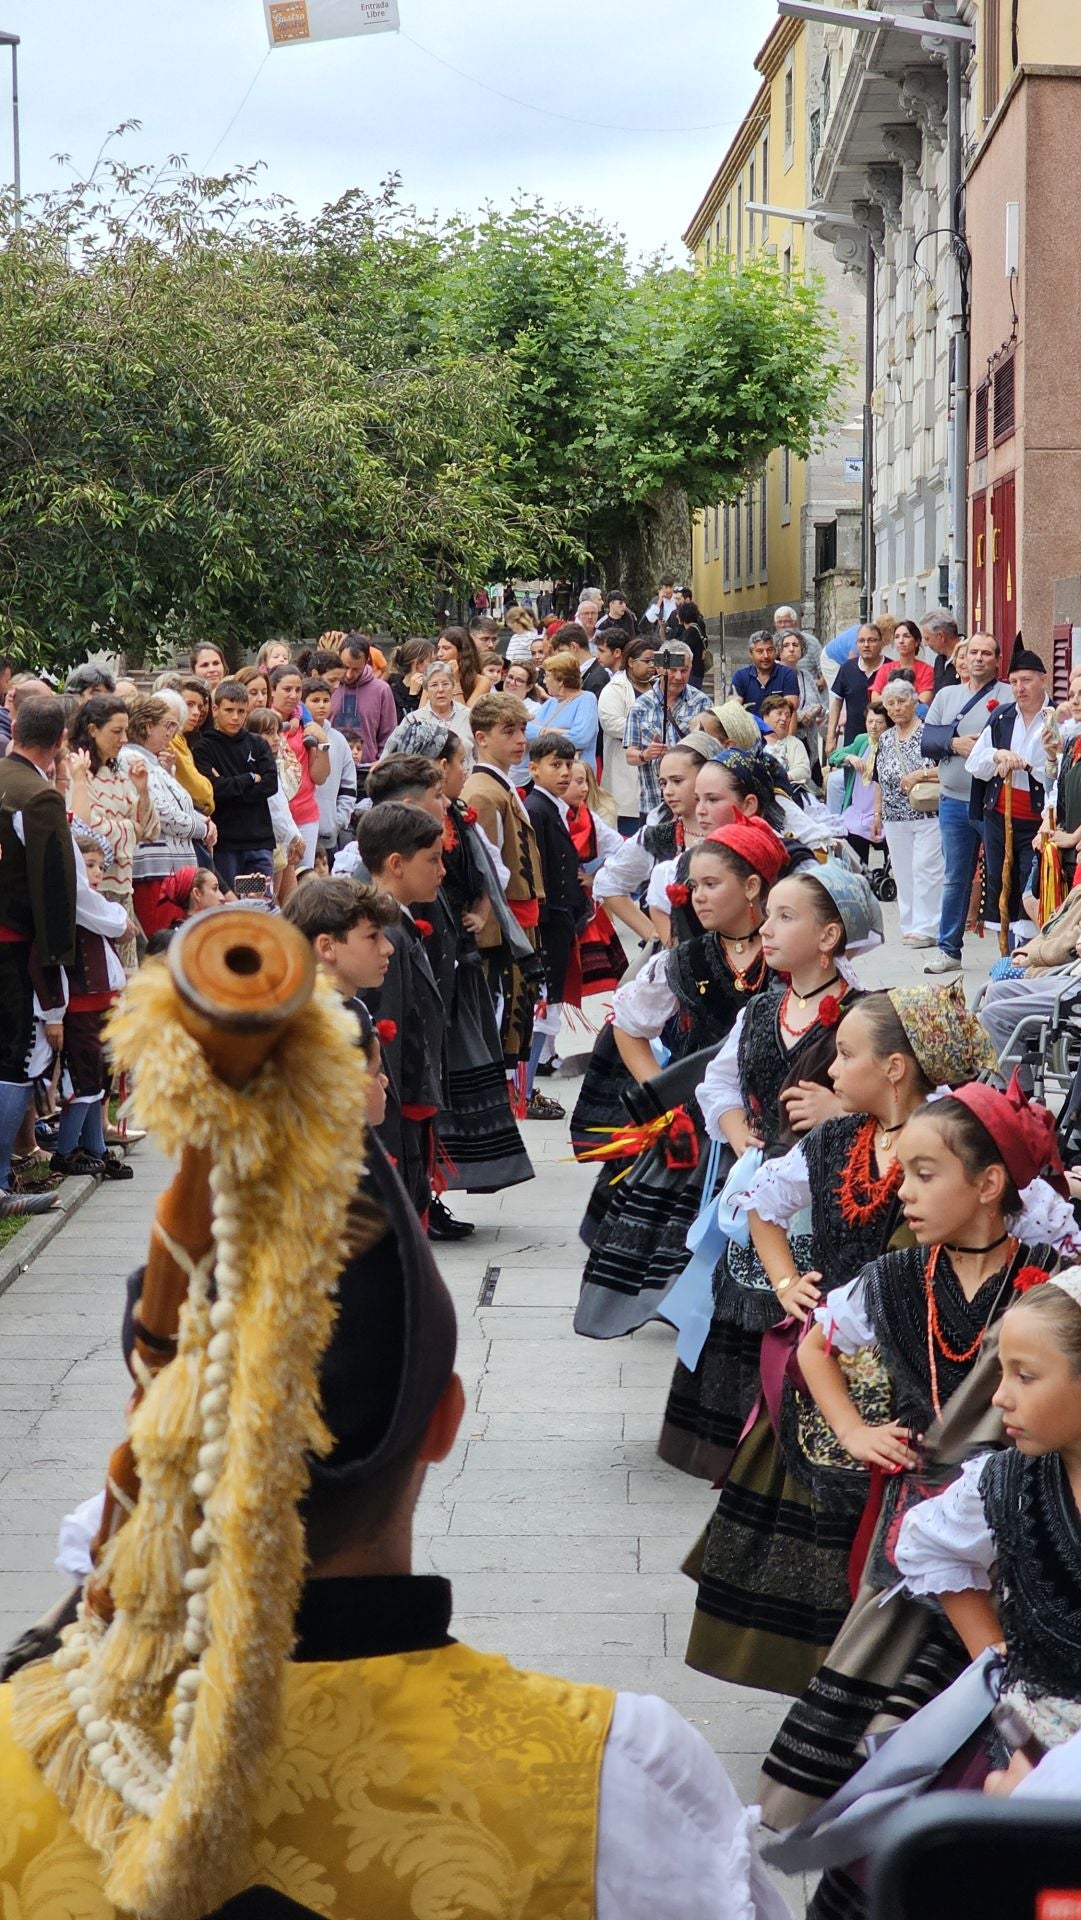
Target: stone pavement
561,1530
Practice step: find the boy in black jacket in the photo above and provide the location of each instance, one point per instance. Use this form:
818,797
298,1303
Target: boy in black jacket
244,774
402,848
565,907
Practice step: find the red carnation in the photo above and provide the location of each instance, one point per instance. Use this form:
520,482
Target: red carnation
829,1010
470,816
678,893
1028,1277
387,1030
424,928
991,705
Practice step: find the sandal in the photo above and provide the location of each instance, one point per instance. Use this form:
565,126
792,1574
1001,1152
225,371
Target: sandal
76,1163
115,1168
541,1108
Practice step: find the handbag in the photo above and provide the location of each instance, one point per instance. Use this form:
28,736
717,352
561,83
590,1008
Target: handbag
937,741
924,796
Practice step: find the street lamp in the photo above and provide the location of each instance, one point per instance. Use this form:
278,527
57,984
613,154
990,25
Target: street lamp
924,24
12,40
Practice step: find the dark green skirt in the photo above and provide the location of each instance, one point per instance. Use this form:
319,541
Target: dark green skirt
772,1573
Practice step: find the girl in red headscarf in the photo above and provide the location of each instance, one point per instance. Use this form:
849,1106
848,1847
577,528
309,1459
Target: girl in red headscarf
986,1224
689,998
773,1566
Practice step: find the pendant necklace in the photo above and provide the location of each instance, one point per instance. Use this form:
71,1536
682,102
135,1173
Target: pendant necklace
801,1000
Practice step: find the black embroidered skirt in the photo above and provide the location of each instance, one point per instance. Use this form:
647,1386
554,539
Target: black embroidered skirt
708,1408
598,1106
640,1248
478,1134
772,1573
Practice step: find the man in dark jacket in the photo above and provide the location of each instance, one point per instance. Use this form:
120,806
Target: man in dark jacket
37,918
244,774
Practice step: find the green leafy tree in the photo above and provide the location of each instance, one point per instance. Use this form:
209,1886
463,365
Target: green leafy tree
204,433
220,420
640,396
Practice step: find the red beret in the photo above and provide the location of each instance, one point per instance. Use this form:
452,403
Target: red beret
755,841
1023,1132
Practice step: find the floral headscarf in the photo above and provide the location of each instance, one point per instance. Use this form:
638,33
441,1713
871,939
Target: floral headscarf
948,1041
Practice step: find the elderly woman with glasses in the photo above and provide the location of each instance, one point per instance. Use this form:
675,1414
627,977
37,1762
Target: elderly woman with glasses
911,835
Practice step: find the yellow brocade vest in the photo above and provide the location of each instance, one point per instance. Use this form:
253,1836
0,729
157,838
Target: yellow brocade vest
410,1786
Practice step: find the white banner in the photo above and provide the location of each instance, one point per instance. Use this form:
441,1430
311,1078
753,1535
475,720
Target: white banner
288,22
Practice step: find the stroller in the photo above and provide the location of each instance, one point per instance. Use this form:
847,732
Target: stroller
880,878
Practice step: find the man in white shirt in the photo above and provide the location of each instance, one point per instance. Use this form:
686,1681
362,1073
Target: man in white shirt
614,704
663,607
1010,751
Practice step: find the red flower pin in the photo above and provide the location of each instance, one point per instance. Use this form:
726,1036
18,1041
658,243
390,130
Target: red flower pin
991,705
424,928
387,1030
470,816
678,893
829,1010
1028,1277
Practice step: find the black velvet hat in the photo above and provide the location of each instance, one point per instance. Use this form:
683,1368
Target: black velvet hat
1023,660
394,1344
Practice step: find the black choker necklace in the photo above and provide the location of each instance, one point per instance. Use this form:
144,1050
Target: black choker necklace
989,1248
801,999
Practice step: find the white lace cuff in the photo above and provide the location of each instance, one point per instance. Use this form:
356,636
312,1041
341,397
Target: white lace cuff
660,880
781,1190
945,1545
844,1319
1045,1219
720,1090
641,1007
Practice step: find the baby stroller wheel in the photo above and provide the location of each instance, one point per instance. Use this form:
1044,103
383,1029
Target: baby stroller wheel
887,887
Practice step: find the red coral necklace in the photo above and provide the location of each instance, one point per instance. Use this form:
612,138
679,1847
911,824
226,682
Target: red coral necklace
934,1330
861,1193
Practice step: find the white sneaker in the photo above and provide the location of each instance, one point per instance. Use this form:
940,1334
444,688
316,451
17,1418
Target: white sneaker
921,940
943,963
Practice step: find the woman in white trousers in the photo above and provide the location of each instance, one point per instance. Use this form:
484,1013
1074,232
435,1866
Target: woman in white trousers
913,839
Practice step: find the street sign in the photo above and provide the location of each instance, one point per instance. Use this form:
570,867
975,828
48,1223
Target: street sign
289,22
852,471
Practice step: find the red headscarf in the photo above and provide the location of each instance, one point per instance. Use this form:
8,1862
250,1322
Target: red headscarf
1023,1132
755,841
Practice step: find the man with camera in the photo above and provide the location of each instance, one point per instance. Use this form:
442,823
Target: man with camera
661,717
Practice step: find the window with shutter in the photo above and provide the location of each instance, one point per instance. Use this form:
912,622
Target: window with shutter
982,393
1004,400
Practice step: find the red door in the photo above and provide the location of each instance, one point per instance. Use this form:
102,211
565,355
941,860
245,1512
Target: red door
1003,564
978,564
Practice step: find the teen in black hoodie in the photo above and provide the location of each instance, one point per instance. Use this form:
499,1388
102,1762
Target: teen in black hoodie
243,773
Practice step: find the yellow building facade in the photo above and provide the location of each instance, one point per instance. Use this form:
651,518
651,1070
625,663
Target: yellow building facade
765,548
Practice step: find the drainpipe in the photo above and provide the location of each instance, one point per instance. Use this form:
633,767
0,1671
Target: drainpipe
958,454
867,529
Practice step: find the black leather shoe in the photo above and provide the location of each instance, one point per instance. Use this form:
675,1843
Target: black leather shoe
443,1226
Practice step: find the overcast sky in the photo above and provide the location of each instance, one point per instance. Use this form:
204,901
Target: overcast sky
327,117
